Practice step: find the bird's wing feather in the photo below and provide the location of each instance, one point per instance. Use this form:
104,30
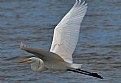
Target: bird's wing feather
46,56
67,31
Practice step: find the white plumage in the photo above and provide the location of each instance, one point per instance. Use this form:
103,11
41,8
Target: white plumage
64,42
67,31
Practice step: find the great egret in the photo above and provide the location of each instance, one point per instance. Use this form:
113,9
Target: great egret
64,42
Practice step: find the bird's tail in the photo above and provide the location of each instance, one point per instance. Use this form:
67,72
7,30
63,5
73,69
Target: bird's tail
85,73
76,66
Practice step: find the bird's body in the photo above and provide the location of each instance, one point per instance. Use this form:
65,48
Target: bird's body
64,43
49,60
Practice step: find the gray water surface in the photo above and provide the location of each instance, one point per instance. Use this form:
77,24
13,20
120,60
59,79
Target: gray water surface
33,21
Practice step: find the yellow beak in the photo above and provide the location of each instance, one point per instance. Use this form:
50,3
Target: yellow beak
23,61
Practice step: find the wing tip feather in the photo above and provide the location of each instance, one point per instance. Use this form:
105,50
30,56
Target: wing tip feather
22,46
79,3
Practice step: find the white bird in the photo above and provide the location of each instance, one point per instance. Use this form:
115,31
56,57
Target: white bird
64,42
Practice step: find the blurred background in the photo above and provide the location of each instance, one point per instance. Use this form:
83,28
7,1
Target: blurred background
33,21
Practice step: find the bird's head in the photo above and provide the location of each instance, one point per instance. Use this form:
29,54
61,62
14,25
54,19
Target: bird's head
32,59
37,63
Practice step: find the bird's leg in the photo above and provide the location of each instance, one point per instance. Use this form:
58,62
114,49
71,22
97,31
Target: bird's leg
85,73
90,73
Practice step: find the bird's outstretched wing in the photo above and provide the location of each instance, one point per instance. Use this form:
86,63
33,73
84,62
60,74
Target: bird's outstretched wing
67,31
